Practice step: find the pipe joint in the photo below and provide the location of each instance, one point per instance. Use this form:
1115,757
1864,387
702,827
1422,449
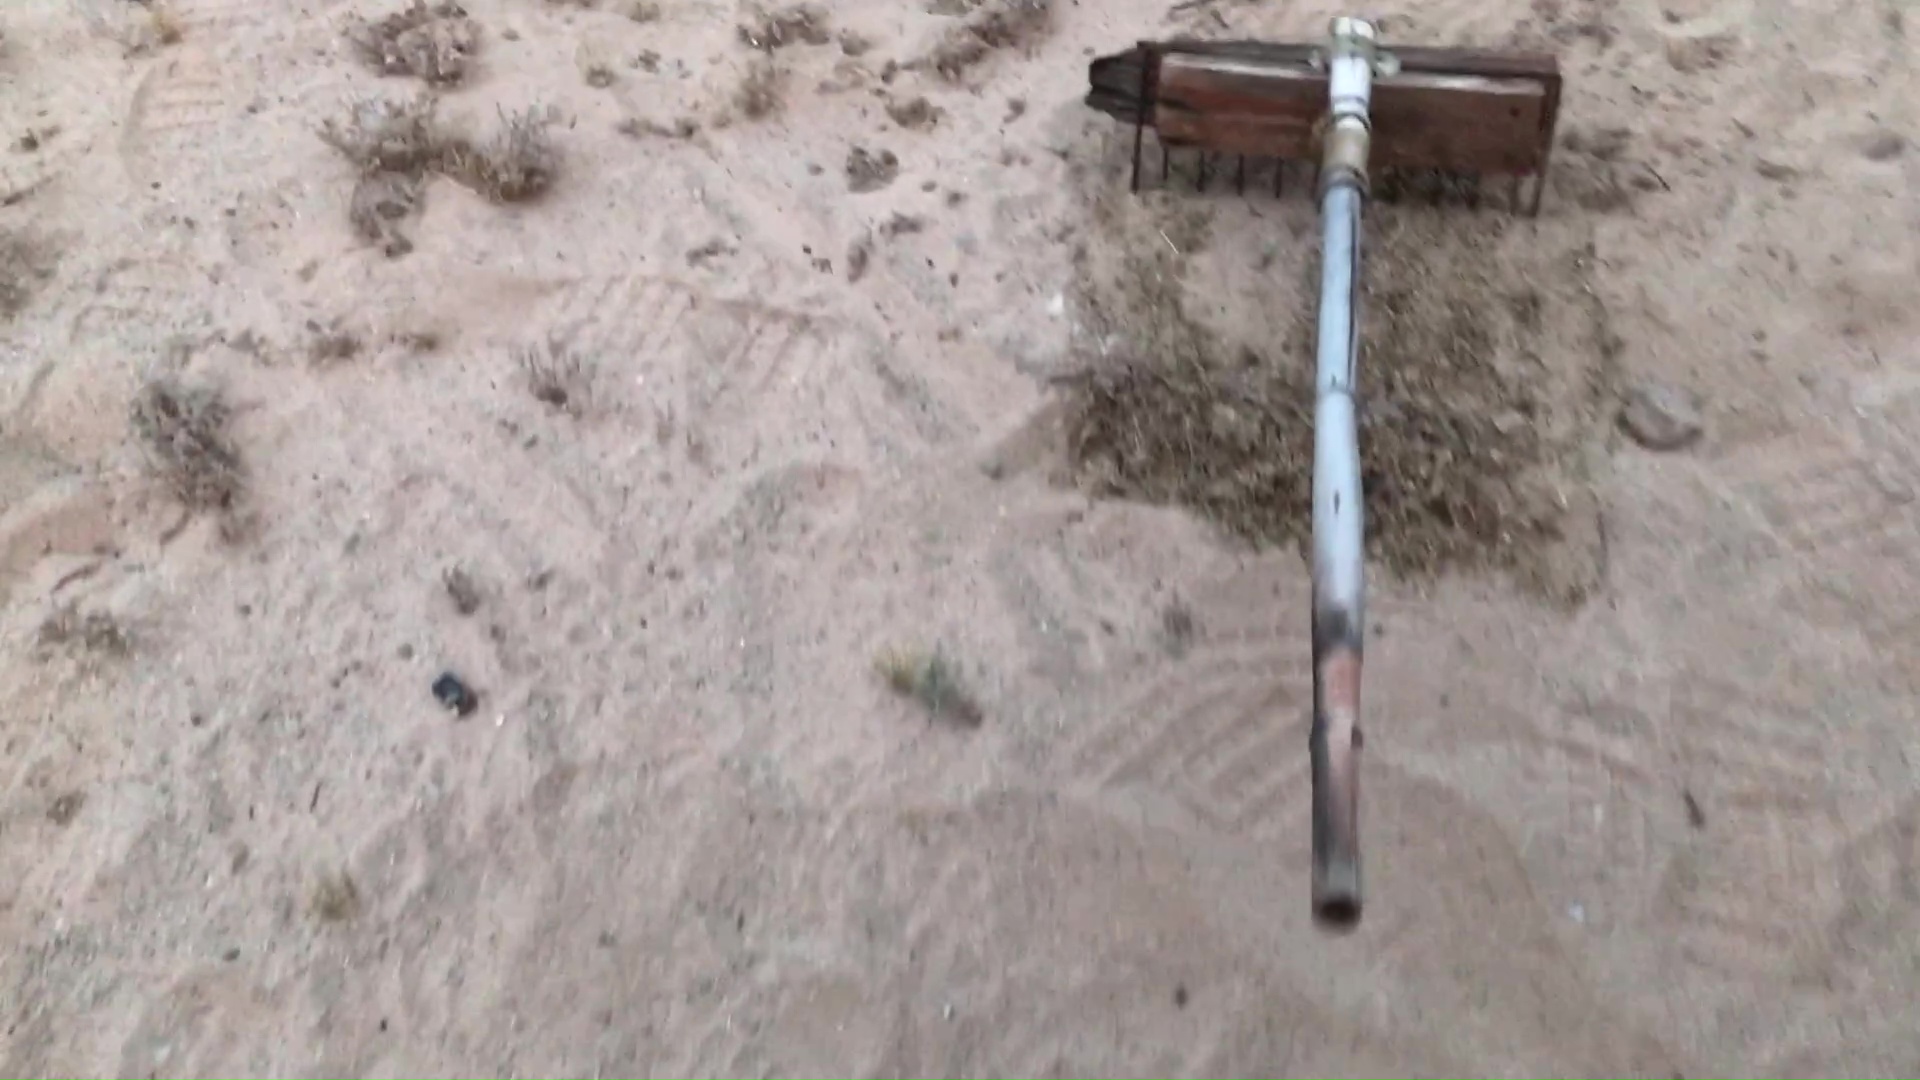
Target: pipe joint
1343,155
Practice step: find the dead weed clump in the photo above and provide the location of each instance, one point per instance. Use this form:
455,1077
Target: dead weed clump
771,29
555,377
96,632
990,26
519,163
933,680
434,43
25,265
184,429
335,898
386,136
397,145
761,92
1460,416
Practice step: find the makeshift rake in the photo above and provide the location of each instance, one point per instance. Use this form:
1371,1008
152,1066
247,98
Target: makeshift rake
1444,120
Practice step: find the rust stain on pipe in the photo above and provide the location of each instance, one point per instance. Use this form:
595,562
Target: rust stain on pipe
1335,748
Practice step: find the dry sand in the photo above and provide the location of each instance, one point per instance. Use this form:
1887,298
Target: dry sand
661,460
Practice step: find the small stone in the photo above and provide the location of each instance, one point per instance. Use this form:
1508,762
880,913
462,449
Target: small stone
455,695
1660,417
66,807
1770,169
1884,146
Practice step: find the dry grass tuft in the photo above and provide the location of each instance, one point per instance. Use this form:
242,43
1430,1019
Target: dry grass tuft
933,680
396,145
335,898
331,343
25,265
761,90
432,42
381,201
556,377
519,163
184,430
95,631
383,135
991,25
916,112
768,30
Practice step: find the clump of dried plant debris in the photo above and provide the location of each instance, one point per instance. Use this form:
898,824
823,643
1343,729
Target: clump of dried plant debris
1453,424
184,428
770,29
335,898
555,377
140,28
384,135
93,631
759,94
434,42
397,145
519,163
990,25
933,680
25,265
869,170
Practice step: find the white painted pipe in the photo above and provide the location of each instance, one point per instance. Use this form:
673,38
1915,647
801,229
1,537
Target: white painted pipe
1339,526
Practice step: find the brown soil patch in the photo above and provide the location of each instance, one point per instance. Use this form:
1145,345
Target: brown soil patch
1483,364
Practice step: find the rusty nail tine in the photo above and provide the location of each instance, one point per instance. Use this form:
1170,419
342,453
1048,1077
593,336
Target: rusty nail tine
1140,120
1240,176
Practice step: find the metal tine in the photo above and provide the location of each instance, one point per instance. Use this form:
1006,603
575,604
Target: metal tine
1166,164
1279,177
1200,178
1240,176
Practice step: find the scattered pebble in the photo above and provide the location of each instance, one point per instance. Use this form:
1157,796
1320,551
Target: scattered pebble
1660,417
1696,815
455,695
65,807
859,253
1775,170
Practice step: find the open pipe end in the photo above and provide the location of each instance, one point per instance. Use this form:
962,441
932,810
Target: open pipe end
1336,897
1335,752
1337,884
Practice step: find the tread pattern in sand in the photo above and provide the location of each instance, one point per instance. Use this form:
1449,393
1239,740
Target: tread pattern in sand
1222,731
184,104
702,363
1824,500
1762,766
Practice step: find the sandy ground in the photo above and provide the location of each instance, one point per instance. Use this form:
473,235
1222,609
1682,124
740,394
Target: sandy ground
1640,799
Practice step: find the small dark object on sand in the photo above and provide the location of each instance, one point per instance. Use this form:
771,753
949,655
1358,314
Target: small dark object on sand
455,695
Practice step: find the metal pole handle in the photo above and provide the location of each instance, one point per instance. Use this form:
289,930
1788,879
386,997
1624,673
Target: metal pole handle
1339,569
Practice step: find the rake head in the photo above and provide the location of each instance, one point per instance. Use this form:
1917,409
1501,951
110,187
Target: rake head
1444,121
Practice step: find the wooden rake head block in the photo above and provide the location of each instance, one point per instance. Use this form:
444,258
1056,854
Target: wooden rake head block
1471,112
